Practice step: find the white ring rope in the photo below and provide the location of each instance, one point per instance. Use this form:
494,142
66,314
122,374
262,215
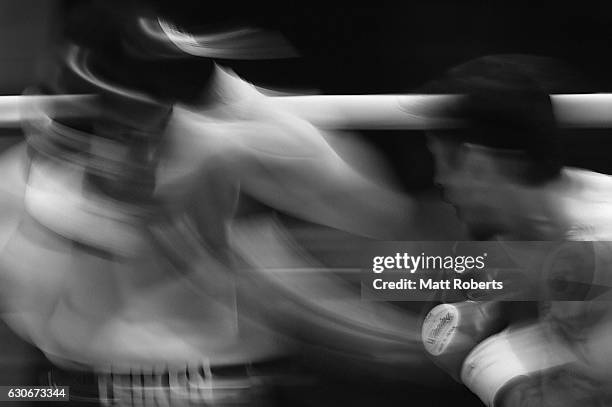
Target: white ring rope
412,112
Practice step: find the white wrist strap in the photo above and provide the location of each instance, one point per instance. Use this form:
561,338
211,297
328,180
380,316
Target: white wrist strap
510,354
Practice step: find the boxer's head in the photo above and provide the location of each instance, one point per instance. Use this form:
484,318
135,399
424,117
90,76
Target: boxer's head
508,145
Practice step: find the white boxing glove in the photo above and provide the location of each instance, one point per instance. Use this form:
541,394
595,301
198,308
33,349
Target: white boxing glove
513,353
451,331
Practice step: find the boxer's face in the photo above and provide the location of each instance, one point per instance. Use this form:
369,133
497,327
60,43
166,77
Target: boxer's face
469,181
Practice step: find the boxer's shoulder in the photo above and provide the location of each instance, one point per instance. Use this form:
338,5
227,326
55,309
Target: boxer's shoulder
588,209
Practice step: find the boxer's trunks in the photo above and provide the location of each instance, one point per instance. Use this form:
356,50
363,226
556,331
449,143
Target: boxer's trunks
218,385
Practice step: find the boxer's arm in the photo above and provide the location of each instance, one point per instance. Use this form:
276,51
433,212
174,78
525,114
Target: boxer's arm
287,164
307,179
525,366
567,386
580,321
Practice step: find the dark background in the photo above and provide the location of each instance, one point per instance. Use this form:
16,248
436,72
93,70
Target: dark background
367,48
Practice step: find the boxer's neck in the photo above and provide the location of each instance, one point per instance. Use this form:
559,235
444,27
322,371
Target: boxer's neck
224,90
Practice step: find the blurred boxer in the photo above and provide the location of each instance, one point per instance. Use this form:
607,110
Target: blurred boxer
120,268
504,175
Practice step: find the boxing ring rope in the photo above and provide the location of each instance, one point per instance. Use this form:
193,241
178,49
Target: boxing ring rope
419,112
385,112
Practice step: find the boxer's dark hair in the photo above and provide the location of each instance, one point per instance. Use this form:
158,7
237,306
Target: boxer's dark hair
504,107
107,30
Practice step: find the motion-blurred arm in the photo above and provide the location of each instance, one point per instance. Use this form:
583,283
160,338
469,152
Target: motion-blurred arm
288,165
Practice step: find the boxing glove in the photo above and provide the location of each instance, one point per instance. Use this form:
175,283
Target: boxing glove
510,357
450,331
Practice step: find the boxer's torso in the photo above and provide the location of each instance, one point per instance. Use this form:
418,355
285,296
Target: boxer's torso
96,285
